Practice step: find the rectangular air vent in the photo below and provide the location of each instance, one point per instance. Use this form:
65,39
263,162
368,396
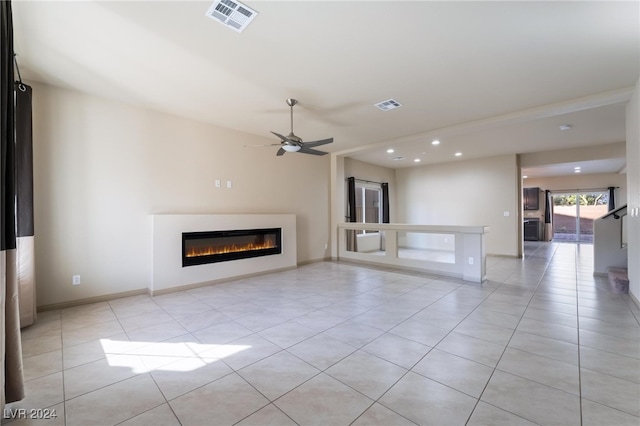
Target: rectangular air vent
231,13
388,105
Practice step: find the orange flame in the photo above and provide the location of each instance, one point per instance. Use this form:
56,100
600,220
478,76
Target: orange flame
210,251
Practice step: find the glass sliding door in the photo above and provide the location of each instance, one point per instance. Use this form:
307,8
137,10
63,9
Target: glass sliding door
368,204
574,213
564,220
591,206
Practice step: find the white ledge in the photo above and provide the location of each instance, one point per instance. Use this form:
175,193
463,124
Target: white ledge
444,229
457,251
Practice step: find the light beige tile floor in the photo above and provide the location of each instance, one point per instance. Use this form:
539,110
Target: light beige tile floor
541,342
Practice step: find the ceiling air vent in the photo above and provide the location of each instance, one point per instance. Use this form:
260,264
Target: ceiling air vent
232,13
388,105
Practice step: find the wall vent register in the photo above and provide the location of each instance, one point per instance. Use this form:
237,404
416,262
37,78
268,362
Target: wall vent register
232,13
388,105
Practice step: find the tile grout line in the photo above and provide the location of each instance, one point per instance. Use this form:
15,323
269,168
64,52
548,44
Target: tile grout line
507,344
233,370
356,349
432,347
578,332
64,390
537,291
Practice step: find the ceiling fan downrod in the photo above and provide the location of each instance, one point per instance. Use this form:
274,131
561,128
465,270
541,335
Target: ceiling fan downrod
291,103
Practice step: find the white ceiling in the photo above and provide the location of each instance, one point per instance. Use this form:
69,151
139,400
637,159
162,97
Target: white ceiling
485,78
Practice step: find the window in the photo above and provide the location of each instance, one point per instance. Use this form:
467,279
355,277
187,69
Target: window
368,204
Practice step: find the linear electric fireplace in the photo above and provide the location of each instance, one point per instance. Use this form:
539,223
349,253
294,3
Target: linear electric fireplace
199,248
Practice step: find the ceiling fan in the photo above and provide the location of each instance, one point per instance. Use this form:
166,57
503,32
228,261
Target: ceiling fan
292,143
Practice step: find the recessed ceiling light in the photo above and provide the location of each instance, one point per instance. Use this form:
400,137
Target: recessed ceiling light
397,158
435,142
577,171
524,177
566,126
577,168
458,154
390,151
417,160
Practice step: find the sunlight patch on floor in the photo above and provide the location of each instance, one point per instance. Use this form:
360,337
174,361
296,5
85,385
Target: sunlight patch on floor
144,357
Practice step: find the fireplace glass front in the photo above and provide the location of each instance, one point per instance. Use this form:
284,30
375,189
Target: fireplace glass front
199,248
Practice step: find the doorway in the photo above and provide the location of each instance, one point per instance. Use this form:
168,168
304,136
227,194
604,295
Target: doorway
574,213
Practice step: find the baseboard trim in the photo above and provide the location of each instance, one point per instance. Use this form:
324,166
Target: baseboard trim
634,299
218,281
308,262
506,256
112,296
89,300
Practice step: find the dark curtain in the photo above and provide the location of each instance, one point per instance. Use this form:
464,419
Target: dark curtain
351,199
352,244
548,214
612,198
547,206
10,345
25,255
7,219
385,202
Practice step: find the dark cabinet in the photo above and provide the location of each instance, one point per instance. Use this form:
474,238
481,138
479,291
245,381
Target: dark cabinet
531,198
532,230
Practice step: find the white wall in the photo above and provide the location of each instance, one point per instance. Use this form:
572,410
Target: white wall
102,169
465,193
633,190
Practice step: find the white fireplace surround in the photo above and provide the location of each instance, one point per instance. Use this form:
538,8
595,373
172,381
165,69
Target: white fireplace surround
167,271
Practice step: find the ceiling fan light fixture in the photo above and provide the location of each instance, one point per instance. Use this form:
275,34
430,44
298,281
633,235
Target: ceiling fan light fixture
293,143
291,148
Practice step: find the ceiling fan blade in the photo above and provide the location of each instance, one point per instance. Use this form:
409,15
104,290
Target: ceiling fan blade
269,144
281,152
284,139
318,143
305,150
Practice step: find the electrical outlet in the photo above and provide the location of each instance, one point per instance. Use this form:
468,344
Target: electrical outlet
218,183
326,246
471,261
75,280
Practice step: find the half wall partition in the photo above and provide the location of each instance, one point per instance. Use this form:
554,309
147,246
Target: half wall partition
457,251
